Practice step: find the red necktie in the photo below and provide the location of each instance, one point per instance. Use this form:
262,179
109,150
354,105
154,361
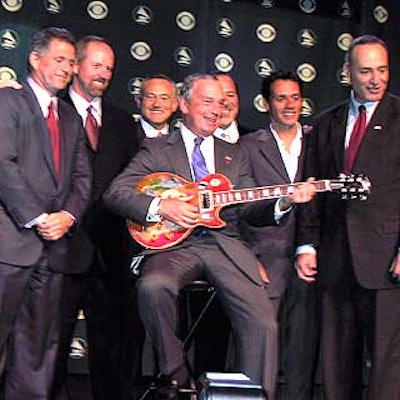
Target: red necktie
92,129
54,132
355,138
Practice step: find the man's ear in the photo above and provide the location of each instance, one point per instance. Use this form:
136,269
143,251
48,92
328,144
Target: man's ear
175,104
34,58
346,71
183,105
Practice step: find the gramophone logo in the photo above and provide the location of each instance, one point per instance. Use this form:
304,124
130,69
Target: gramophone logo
134,85
343,78
259,103
224,62
307,108
307,38
183,56
344,9
142,15
9,39
53,6
12,5
307,6
7,73
78,349
267,3
266,33
185,20
141,51
381,14
344,41
225,28
306,72
97,9
264,67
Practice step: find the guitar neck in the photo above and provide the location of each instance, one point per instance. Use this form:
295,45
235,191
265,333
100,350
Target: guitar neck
230,197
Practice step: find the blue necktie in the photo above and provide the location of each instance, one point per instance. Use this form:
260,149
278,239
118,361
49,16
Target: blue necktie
198,162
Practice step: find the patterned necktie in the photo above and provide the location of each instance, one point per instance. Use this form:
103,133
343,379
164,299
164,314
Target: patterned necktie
355,138
198,162
54,133
92,129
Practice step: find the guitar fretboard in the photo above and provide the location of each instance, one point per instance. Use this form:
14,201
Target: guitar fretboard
229,197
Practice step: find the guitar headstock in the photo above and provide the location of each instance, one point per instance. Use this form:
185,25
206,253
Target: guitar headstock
352,186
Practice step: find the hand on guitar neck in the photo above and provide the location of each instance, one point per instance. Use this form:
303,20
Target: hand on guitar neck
302,193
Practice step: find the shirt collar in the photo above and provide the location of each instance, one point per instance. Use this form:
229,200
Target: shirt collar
229,134
81,105
355,104
42,95
151,131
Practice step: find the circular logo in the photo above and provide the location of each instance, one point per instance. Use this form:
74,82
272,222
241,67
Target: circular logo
9,39
344,41
97,9
264,67
12,5
134,85
343,78
307,38
53,6
307,108
141,51
224,62
259,103
183,56
267,3
7,73
185,20
225,27
306,72
307,6
78,349
266,32
381,14
142,15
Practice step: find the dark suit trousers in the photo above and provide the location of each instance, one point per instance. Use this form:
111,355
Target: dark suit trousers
247,306
352,316
299,343
29,329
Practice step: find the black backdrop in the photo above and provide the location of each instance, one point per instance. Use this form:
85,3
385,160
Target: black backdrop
248,38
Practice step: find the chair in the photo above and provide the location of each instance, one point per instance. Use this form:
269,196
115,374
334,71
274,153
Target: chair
188,324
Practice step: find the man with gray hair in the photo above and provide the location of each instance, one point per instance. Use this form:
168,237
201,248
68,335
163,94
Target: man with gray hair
216,254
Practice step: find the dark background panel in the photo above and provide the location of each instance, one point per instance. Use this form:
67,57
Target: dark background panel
195,48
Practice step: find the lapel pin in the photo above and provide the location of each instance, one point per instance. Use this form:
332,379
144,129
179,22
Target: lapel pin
377,127
228,159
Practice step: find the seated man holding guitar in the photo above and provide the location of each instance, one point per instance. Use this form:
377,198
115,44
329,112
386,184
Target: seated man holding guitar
177,227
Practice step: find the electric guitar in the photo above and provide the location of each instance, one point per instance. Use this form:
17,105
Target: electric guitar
215,191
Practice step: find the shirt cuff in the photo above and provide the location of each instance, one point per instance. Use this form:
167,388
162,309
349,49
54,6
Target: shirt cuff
278,213
36,221
153,211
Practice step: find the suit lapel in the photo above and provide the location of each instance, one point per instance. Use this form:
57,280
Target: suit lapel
40,128
176,154
338,135
270,152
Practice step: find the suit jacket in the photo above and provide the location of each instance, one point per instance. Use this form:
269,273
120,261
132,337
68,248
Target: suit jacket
274,245
370,228
27,181
168,154
102,231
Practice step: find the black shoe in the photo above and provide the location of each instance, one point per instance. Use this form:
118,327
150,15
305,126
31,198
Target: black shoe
166,389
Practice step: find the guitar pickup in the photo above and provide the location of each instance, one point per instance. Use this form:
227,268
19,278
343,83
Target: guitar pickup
206,201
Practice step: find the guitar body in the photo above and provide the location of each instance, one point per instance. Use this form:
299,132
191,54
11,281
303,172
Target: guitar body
165,234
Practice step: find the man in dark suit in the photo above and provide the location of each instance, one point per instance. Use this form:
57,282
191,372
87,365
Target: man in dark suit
219,255
277,155
230,129
354,256
104,292
45,186
157,102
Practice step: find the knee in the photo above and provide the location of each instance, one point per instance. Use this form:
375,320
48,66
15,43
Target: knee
156,285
